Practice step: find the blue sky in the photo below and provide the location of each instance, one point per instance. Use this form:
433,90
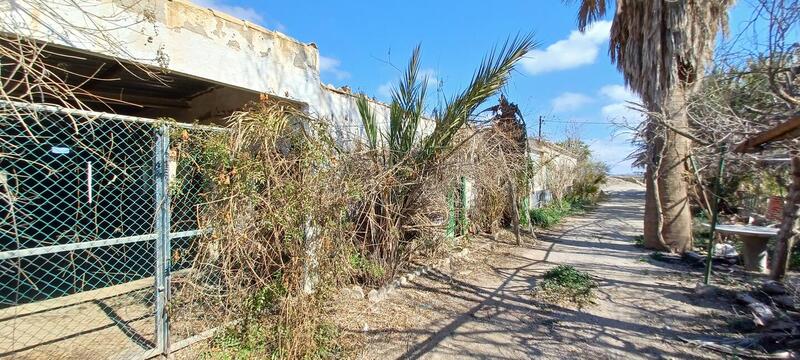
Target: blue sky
569,79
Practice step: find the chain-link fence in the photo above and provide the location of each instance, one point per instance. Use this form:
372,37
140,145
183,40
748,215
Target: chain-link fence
97,213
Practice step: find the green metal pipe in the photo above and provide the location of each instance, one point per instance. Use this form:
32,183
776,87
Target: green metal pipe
714,213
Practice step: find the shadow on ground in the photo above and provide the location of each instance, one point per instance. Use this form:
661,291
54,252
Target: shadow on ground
485,308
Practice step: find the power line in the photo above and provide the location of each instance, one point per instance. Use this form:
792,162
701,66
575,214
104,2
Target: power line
580,122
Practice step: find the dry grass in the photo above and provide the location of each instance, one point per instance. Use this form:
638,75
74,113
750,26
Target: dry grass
277,204
291,212
289,209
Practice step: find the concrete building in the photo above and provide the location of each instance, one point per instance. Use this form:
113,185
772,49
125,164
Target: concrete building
99,242
209,63
98,231
554,174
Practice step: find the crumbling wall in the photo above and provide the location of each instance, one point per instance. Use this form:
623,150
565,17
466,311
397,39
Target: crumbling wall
553,171
181,37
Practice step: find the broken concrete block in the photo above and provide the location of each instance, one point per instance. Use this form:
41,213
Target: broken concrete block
359,291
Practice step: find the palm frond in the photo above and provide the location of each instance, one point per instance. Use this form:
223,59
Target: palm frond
408,104
589,11
407,107
490,77
368,120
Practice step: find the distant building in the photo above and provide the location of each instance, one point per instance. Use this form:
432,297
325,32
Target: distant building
554,174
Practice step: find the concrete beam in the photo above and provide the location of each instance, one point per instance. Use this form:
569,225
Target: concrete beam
176,35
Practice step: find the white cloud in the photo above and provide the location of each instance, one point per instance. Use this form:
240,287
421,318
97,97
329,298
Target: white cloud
241,12
245,13
580,48
280,27
433,77
620,109
332,66
569,101
618,93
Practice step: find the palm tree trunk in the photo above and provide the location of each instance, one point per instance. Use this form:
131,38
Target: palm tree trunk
668,221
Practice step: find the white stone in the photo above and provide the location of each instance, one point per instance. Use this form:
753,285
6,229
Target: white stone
357,292
374,296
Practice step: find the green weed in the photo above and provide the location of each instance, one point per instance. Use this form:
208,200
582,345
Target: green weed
657,256
326,338
553,213
365,267
239,342
565,284
265,299
638,240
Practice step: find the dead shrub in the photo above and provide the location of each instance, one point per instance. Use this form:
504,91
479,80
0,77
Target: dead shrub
277,204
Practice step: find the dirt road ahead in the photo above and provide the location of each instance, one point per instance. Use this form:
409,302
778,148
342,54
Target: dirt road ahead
483,307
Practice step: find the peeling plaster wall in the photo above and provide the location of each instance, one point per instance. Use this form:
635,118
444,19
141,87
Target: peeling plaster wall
340,110
195,42
184,38
546,153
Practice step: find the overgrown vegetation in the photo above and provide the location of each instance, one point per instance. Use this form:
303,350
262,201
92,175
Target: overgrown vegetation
260,341
410,175
277,195
580,185
565,284
554,212
366,269
551,214
295,216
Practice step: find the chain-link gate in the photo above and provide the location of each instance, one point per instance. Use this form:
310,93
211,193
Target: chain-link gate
95,217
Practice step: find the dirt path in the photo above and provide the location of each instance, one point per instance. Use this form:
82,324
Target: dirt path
483,307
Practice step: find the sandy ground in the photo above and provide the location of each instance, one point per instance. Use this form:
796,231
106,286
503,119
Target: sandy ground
483,307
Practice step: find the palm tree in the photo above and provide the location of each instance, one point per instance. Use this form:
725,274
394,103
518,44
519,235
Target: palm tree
408,159
661,47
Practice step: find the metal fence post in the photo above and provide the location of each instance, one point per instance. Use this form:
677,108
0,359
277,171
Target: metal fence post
162,228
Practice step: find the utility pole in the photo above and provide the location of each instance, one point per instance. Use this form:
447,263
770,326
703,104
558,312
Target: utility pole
541,120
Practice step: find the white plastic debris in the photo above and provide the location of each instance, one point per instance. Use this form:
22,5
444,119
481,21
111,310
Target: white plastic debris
725,250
